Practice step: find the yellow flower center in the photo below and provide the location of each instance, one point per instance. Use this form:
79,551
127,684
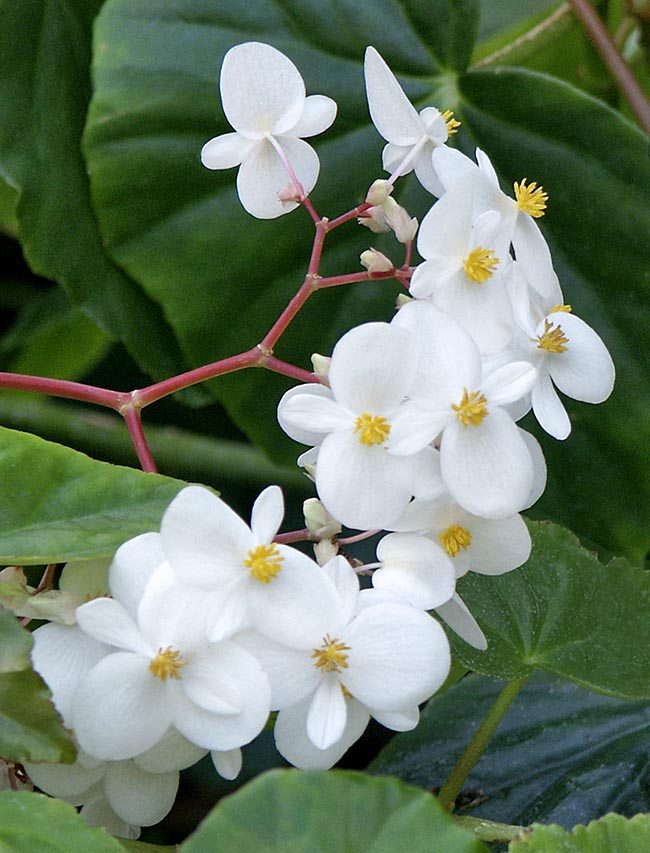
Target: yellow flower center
454,538
264,562
471,409
450,121
531,199
167,664
552,338
566,308
372,429
479,264
331,656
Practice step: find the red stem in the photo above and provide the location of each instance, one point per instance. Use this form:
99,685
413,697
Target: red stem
134,425
63,388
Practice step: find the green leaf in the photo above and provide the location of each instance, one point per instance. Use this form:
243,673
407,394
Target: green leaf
566,613
611,833
52,338
58,504
30,728
223,277
8,201
290,811
448,27
596,169
561,754
33,822
42,115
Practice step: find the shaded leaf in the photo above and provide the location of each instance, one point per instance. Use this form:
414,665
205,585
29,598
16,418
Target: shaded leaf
611,833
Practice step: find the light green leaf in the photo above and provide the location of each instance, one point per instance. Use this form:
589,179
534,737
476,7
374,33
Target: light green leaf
291,811
58,504
33,822
610,834
561,754
30,728
565,613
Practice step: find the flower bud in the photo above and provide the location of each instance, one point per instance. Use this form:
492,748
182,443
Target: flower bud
318,519
321,365
375,261
378,192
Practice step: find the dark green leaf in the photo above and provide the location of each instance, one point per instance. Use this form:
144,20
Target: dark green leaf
33,822
291,811
30,728
611,833
566,613
561,754
59,505
45,79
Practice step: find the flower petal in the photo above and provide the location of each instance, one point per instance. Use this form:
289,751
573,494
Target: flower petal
134,563
108,622
139,797
318,115
392,113
226,151
227,763
416,569
327,713
549,409
267,515
461,621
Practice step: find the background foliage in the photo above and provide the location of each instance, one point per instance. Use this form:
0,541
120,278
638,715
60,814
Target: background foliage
138,264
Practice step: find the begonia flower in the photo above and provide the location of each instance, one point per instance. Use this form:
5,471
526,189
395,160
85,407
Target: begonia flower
263,98
412,137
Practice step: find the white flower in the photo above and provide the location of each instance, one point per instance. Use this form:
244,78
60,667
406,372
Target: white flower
163,672
263,97
415,568
411,137
384,656
466,252
485,462
360,481
566,353
519,214
243,578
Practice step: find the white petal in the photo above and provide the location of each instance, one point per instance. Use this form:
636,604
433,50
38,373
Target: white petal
585,371
398,721
461,621
62,655
399,656
499,545
487,468
373,367
230,611
134,563
297,606
346,582
267,515
318,115
203,538
138,797
291,672
327,713
425,172
509,383
549,410
363,486
415,568
228,763
539,468
394,155
304,435
308,415
67,781
294,745
263,176
98,812
450,165
533,254
120,709
212,680
391,111
107,621
226,151
261,89
172,752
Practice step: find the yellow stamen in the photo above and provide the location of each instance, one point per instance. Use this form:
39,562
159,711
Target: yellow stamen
450,121
479,264
167,664
471,409
454,538
552,339
531,198
372,429
264,562
331,656
566,308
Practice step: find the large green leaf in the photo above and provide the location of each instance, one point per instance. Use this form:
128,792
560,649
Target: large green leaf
561,754
223,277
30,728
45,80
291,811
611,833
59,505
33,822
566,613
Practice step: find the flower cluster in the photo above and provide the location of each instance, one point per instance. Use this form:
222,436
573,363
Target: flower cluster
412,428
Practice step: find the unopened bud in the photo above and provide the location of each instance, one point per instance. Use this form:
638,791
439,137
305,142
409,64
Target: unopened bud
375,219
318,519
402,300
378,192
375,261
404,226
325,550
321,365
